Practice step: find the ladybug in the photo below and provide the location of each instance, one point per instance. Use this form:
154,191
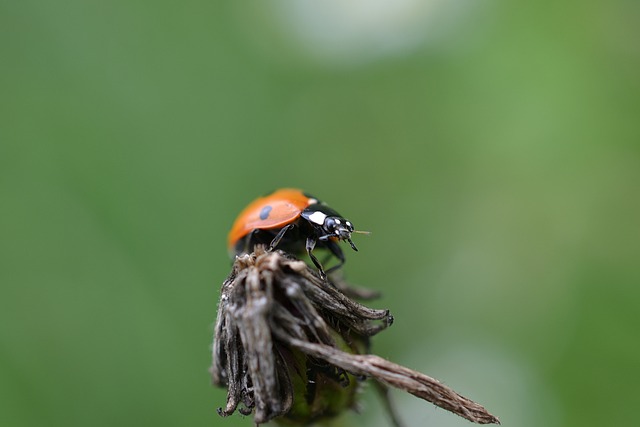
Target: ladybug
293,221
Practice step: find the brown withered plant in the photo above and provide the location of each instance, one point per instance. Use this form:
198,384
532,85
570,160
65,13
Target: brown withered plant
292,347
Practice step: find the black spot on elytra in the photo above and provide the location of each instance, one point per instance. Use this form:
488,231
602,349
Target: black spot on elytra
264,213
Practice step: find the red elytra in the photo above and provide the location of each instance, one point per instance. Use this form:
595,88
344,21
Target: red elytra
286,206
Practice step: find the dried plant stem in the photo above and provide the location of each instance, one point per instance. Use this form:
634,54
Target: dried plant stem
416,383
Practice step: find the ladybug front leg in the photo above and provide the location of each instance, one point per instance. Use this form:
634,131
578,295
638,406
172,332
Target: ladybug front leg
311,243
250,241
279,236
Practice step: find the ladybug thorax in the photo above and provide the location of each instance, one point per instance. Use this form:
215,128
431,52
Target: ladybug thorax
328,222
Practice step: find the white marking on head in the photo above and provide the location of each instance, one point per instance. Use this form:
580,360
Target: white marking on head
338,221
312,201
349,224
317,217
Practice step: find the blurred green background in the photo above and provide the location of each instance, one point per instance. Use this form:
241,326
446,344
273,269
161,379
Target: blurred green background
492,149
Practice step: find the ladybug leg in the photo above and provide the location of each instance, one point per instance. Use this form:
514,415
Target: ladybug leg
279,236
250,240
311,243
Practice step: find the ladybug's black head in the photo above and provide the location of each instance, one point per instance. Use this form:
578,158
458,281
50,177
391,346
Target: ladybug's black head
329,224
338,227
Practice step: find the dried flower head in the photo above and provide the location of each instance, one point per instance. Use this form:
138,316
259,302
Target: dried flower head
291,346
